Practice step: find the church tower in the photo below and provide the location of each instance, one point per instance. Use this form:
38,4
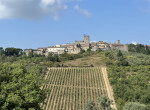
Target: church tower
86,39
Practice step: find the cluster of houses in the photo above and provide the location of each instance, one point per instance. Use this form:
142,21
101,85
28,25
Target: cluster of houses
76,47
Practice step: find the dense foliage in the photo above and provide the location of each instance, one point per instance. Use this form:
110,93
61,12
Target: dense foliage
20,81
21,77
20,87
52,60
103,103
13,52
130,82
139,48
137,58
134,106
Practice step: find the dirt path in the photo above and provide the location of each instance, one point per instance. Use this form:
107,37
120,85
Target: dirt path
108,86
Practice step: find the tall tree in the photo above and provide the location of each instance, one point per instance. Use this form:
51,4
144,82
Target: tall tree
20,88
90,106
105,103
13,51
147,50
120,55
1,51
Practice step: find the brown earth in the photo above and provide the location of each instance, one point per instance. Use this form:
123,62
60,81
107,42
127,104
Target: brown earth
108,86
95,60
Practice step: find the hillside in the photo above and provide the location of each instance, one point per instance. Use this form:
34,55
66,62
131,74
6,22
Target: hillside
128,74
96,60
71,88
80,81
73,80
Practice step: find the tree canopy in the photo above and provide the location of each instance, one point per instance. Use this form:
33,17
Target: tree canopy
139,48
134,106
20,87
13,51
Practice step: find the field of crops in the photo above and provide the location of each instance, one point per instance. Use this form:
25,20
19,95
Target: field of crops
71,88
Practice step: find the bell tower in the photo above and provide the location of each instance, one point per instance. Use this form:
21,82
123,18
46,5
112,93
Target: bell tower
86,39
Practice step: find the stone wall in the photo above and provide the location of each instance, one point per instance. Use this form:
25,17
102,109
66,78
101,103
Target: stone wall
76,47
122,47
56,50
28,51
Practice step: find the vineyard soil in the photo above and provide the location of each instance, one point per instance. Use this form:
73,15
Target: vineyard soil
71,88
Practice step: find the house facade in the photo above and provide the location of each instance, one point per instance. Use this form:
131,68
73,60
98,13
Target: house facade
75,48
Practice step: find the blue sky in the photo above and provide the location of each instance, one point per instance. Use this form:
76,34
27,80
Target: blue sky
41,23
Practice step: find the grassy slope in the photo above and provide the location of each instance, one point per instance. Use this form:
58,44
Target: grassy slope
96,60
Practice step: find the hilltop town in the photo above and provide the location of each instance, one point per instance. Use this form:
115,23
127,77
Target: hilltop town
76,47
67,81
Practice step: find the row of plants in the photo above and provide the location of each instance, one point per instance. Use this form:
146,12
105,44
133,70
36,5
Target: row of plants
70,88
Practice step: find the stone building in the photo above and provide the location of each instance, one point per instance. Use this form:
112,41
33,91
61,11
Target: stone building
148,46
76,47
103,45
43,50
28,51
73,48
118,46
94,46
85,44
56,49
36,51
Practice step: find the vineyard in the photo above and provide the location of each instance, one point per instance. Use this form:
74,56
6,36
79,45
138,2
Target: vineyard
71,88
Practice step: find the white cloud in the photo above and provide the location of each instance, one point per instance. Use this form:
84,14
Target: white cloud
82,11
30,9
135,43
36,9
48,2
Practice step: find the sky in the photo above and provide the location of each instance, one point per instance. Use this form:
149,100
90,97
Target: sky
42,23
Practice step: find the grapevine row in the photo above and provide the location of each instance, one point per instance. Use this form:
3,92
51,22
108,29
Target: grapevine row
71,88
